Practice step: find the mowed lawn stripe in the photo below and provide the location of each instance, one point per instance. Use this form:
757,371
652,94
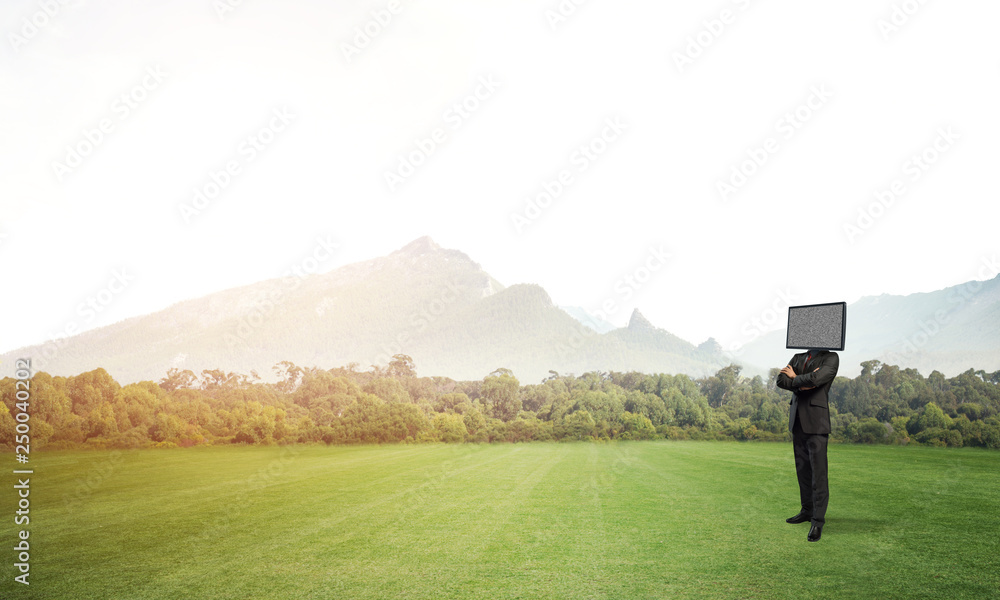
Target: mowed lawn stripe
570,520
911,521
295,531
707,500
200,509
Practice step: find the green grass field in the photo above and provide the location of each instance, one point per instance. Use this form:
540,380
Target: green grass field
580,520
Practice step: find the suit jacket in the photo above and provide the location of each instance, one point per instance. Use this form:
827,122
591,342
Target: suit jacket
812,406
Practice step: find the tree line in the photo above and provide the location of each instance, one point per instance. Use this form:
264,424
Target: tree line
391,404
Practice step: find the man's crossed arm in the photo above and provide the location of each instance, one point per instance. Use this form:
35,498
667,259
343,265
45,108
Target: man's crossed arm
788,379
790,375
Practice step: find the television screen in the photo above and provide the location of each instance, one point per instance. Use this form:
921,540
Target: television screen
819,326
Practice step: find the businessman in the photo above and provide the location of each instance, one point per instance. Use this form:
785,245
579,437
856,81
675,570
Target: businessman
808,376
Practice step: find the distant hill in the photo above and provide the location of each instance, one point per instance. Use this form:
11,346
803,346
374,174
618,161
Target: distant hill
949,330
596,323
434,304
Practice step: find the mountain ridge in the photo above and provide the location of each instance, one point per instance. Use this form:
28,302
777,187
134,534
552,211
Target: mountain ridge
454,319
950,330
435,304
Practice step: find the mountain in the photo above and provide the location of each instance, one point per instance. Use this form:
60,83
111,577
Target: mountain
434,304
596,323
949,330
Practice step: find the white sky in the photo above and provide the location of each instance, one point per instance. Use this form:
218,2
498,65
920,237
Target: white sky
886,94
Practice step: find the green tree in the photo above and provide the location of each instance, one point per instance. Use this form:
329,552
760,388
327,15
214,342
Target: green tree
166,428
475,423
501,395
526,428
401,366
390,390
577,426
449,427
931,417
177,379
972,410
50,401
7,426
91,389
322,389
140,403
451,402
719,388
636,427
289,376
870,431
101,422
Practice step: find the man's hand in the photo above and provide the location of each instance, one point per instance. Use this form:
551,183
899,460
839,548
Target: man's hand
788,371
812,387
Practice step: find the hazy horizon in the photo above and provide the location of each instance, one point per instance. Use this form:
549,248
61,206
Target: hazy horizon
756,154
616,322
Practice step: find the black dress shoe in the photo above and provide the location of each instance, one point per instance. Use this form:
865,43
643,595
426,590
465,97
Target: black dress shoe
814,532
802,517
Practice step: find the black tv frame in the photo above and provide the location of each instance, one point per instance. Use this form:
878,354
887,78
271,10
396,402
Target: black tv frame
843,326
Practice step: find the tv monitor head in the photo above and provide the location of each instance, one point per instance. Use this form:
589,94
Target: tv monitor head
817,326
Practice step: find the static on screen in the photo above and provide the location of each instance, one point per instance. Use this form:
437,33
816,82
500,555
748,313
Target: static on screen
819,326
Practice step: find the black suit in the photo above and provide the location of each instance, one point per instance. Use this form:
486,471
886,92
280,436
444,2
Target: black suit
809,422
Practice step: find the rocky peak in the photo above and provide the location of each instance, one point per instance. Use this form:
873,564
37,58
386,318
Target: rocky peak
710,346
637,322
419,247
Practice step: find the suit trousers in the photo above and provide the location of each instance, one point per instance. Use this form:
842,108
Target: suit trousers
811,470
